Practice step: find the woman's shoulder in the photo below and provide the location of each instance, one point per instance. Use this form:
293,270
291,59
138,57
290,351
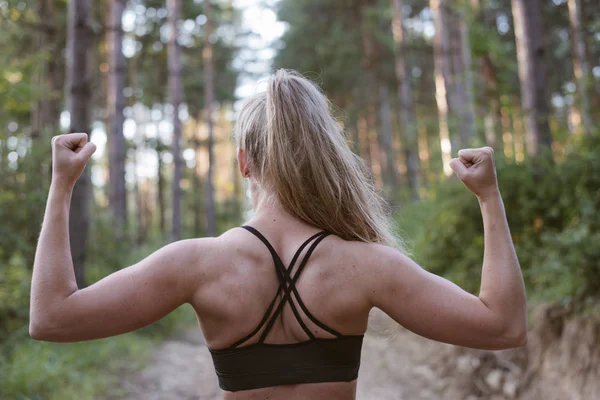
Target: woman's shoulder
364,251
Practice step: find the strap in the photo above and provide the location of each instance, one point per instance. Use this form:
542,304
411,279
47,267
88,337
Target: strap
297,295
286,296
288,285
282,282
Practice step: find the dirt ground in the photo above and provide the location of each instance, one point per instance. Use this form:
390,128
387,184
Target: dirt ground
395,367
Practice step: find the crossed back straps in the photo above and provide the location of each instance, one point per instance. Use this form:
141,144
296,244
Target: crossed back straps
287,284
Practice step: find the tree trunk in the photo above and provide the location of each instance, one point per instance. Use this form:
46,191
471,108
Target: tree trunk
441,64
518,130
352,124
139,200
198,203
362,124
490,109
582,120
115,118
463,74
211,218
162,224
507,136
492,123
46,109
174,55
377,161
49,79
368,65
424,155
532,72
386,139
407,110
79,106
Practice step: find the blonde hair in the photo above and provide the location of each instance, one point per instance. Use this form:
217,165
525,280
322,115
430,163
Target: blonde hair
295,147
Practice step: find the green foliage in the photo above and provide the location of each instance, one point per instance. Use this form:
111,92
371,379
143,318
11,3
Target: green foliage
14,295
553,209
150,62
23,192
328,50
36,370
86,370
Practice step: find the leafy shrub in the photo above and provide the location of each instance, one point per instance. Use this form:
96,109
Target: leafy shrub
14,295
41,370
553,209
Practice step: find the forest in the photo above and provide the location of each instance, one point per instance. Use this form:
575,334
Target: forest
156,85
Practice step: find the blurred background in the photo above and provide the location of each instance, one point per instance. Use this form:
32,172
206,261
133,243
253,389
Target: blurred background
157,85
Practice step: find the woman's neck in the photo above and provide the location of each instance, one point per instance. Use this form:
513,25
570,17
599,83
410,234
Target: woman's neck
268,209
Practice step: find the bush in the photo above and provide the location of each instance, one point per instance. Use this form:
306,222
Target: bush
553,209
14,295
41,370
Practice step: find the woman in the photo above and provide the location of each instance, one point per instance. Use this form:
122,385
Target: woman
283,302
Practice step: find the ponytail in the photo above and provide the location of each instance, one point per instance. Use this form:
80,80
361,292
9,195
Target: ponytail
297,149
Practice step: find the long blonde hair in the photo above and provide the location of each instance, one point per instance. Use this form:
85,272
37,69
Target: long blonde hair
295,148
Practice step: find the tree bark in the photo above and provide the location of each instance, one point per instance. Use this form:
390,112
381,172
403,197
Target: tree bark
211,219
463,74
79,40
442,72
424,155
352,116
407,110
582,120
370,60
362,124
174,55
492,123
140,203
115,117
46,109
377,161
197,189
386,139
162,208
532,72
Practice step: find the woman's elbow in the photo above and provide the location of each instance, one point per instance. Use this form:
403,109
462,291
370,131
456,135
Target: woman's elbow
37,331
43,331
513,337
520,339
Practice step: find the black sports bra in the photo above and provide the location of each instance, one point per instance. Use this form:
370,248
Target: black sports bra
263,364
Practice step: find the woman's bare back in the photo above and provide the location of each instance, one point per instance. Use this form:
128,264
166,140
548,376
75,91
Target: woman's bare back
244,285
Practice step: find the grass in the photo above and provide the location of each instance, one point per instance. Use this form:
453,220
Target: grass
31,370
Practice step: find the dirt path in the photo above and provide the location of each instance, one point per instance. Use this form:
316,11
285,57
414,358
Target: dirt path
392,368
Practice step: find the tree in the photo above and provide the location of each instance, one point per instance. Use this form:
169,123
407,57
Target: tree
79,106
211,224
462,81
405,100
485,41
115,118
442,77
385,137
583,120
174,56
46,109
532,72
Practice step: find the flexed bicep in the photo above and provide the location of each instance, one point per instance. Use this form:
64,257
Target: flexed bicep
434,307
128,299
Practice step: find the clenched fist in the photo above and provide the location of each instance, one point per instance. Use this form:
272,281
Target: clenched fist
476,169
70,153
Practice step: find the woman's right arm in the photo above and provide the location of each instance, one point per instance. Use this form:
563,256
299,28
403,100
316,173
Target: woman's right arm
440,310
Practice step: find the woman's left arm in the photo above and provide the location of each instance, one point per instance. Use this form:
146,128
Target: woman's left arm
122,302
